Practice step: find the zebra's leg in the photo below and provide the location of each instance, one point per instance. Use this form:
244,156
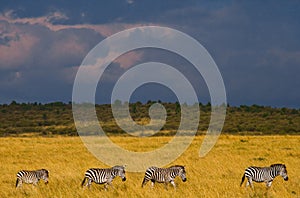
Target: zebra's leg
173,183
88,184
249,182
35,182
34,185
105,186
109,183
152,184
166,185
268,184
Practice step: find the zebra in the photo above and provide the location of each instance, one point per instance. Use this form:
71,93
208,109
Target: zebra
164,175
264,174
104,175
32,177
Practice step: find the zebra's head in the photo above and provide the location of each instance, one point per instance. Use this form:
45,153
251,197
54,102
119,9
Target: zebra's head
44,174
281,168
120,170
181,173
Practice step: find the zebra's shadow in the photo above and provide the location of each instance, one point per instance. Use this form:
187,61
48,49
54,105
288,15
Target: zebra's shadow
28,190
259,192
101,188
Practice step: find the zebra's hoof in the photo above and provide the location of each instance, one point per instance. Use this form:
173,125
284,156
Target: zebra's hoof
124,179
184,180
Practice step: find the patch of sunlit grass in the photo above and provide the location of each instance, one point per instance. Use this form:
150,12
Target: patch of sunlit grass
218,174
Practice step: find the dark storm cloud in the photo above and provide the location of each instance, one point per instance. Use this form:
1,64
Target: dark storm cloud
96,12
39,64
255,44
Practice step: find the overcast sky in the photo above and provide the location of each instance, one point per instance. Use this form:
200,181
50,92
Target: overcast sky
255,44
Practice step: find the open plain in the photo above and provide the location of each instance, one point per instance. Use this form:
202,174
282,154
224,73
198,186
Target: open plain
218,174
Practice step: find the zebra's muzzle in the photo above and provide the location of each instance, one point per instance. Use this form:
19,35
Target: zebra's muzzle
124,179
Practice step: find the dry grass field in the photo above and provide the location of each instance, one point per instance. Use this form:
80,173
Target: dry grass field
218,174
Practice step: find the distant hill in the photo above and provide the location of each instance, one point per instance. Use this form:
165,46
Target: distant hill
57,119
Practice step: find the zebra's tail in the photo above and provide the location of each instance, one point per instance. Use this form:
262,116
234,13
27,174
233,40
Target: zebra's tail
144,181
243,179
17,182
83,181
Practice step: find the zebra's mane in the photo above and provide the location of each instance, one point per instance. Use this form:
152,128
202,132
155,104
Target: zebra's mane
44,170
118,167
177,166
273,165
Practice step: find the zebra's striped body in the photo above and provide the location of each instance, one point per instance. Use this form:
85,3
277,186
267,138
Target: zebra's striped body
31,177
103,176
164,175
264,174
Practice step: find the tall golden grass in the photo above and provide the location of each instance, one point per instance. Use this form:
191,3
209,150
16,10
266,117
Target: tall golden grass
218,174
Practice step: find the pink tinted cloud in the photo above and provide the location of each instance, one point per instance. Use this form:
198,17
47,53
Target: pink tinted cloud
8,16
104,30
28,47
18,51
129,59
26,42
69,47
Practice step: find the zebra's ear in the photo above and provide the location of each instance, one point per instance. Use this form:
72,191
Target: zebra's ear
124,165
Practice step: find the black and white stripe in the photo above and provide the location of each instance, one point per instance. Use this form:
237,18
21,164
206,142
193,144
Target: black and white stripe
164,175
264,174
31,177
103,175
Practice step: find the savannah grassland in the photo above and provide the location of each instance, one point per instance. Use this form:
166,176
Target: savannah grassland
218,174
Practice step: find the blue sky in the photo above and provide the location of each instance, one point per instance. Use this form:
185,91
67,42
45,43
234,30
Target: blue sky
255,44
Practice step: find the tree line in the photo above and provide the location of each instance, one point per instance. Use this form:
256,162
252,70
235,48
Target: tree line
57,119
